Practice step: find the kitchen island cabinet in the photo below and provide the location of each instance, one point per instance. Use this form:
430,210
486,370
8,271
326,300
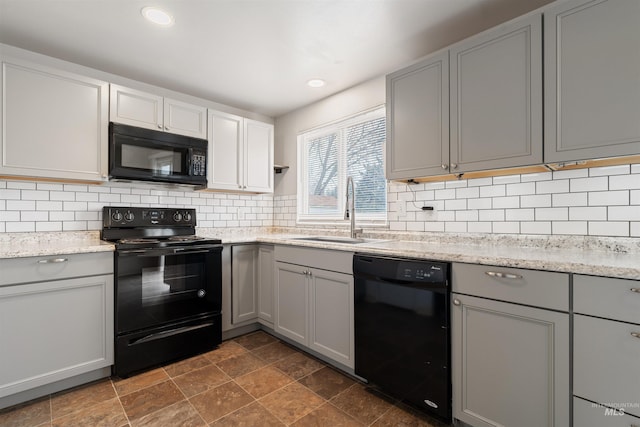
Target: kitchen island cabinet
56,322
54,123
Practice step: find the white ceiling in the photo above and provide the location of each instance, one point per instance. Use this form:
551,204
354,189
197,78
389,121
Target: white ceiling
251,54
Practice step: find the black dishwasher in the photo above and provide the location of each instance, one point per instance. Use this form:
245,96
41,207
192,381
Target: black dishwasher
402,335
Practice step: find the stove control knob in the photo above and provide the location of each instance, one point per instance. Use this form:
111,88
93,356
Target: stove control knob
129,216
116,216
201,293
187,216
177,217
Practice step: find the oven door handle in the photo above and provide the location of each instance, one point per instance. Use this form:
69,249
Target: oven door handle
165,251
169,333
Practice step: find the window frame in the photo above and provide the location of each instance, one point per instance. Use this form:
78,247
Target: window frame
336,127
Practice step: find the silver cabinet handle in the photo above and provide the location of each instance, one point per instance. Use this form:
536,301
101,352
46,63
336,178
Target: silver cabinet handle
456,301
502,275
445,167
635,334
52,260
166,128
454,165
159,126
636,290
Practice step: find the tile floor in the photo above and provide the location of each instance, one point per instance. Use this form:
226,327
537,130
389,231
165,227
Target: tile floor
252,380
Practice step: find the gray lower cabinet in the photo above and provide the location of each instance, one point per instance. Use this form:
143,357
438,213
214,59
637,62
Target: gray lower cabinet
592,88
266,265
56,319
314,301
244,283
607,346
510,362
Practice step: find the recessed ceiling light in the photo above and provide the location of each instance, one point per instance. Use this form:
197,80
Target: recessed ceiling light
157,16
316,83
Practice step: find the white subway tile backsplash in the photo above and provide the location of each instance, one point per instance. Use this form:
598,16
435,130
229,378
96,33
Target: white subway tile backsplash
596,213
569,199
608,228
609,198
624,182
537,201
493,191
599,183
578,228
526,188
552,214
624,213
548,187
610,170
506,202
598,201
535,227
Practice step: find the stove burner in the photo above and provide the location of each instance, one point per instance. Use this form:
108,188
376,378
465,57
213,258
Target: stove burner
129,241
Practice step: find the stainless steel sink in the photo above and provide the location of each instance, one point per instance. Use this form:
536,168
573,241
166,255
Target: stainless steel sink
336,239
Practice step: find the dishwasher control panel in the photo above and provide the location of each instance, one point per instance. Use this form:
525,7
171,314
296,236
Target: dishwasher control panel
417,272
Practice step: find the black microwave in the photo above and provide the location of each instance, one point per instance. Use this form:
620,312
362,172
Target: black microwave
138,154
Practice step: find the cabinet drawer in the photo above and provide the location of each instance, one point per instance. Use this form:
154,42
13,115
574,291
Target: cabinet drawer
324,259
605,366
54,267
530,287
587,414
617,299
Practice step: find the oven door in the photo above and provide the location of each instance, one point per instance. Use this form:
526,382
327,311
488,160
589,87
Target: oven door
155,287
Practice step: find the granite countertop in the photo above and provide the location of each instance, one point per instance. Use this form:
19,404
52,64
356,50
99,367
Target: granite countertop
610,257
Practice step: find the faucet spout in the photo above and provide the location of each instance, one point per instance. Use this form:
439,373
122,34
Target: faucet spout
349,207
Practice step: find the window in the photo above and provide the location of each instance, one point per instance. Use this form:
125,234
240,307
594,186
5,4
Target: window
328,155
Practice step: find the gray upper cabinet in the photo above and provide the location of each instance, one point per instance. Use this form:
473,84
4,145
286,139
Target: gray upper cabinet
592,79
418,119
475,106
496,97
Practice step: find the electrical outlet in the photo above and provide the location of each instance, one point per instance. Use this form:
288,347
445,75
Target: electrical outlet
402,208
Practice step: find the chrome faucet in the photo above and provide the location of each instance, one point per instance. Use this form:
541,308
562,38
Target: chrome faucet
350,208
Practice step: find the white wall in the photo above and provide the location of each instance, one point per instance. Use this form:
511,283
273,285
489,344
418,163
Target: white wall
359,98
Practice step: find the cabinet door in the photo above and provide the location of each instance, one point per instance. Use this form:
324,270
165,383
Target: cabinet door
50,331
496,98
185,119
592,83
265,284
244,283
291,296
258,157
510,364
54,123
605,361
226,142
331,313
418,119
136,108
